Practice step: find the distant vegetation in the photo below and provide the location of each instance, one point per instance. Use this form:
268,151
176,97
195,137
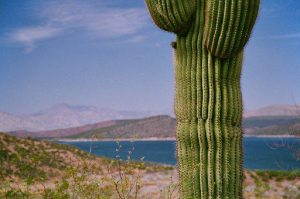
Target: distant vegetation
272,125
157,126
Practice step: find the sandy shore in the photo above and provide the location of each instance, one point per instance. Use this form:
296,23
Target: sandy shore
162,139
272,136
117,139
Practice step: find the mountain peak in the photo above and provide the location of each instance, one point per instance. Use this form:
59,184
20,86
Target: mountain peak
72,107
275,110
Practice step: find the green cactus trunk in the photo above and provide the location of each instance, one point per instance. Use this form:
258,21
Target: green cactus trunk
211,35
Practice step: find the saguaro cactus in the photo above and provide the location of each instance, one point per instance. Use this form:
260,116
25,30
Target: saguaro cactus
211,35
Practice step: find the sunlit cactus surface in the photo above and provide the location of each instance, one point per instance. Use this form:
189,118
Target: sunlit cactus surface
211,35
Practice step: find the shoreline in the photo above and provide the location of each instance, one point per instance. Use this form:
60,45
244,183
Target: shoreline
159,139
272,136
117,139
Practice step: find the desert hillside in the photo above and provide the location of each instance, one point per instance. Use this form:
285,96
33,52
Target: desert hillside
36,160
39,169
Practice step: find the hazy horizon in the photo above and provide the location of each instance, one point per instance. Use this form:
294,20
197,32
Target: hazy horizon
74,106
165,111
109,54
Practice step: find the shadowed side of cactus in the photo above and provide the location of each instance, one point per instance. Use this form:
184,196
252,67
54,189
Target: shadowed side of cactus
211,35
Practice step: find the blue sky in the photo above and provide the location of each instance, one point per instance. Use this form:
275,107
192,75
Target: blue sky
108,53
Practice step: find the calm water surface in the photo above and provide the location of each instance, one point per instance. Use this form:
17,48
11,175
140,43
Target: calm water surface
260,153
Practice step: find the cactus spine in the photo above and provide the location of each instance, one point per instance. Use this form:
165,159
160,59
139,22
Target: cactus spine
211,35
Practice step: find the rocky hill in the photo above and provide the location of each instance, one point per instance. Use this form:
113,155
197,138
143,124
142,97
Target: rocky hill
63,132
164,127
30,159
158,126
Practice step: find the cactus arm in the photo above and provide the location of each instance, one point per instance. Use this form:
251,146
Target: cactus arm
156,17
228,25
172,15
250,22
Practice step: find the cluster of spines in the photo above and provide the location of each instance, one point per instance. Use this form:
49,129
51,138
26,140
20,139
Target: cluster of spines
208,103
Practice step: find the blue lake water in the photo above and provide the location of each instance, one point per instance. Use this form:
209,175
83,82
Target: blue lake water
260,153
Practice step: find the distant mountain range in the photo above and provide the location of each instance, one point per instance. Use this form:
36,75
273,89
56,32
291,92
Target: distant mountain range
163,126
64,116
275,110
85,122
